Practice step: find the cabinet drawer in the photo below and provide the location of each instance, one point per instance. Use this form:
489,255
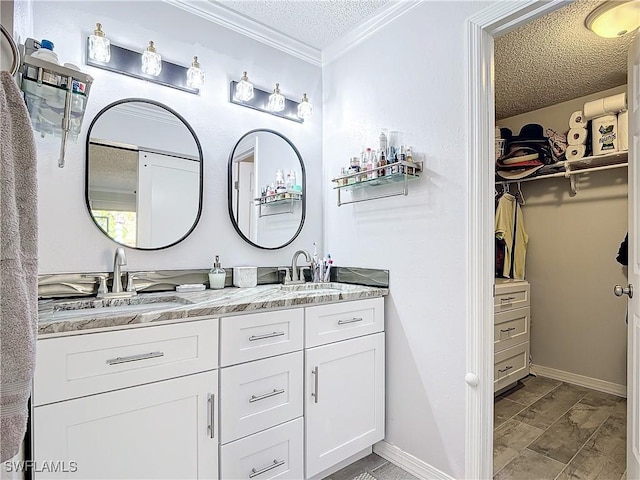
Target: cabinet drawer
511,295
259,335
510,328
260,394
510,365
274,453
80,365
339,321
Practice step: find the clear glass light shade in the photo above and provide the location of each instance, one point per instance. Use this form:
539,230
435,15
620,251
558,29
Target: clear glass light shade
276,100
151,61
99,46
195,75
244,89
614,18
305,109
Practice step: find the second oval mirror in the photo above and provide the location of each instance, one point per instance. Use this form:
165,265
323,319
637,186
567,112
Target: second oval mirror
144,174
266,182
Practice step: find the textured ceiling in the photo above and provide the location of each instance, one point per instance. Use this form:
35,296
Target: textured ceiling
556,58
316,23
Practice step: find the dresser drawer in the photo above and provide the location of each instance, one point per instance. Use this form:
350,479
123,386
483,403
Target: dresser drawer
257,395
80,365
511,365
511,295
259,335
340,321
510,328
273,453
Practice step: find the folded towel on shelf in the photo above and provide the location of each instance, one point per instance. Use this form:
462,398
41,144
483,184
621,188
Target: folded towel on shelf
18,264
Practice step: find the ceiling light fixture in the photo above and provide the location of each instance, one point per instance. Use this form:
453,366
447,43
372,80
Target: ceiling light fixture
244,89
614,19
99,46
276,100
195,75
305,109
151,61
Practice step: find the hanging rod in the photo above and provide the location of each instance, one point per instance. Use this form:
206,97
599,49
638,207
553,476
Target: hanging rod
14,50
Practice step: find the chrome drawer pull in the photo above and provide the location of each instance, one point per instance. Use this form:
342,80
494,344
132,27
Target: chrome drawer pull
505,369
253,338
275,464
211,414
507,330
266,395
353,320
314,394
507,299
135,358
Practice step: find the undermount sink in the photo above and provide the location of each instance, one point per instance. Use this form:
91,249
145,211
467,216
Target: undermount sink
111,305
315,287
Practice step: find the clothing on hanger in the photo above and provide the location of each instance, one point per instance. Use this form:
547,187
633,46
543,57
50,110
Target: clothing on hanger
510,229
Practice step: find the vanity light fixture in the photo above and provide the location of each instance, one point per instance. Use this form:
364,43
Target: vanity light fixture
195,75
614,19
276,100
244,89
99,45
305,109
151,61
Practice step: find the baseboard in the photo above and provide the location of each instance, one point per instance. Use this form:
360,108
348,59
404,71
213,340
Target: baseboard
581,380
408,462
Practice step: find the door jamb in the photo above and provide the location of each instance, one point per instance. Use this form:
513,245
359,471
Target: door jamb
481,29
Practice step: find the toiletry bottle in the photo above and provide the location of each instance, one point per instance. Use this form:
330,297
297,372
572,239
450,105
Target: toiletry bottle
217,275
46,53
382,163
410,170
383,141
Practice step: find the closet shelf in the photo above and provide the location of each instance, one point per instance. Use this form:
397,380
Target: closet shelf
570,168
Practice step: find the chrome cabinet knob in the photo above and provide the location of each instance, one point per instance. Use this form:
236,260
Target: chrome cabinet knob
619,290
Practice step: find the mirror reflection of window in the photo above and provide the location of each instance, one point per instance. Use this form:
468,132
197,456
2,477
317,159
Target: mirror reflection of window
266,196
144,175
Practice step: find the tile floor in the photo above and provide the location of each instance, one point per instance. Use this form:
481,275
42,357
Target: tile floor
371,467
547,429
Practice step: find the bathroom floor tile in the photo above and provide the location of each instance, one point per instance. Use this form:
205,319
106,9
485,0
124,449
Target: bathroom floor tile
389,471
504,409
530,465
547,410
566,437
364,465
531,389
510,439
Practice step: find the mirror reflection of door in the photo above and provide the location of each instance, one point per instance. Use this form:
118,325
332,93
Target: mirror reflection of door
245,188
144,174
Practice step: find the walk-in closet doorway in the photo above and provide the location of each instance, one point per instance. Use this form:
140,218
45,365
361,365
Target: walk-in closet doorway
482,29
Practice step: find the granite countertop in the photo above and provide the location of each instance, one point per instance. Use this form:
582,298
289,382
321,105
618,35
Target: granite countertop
73,315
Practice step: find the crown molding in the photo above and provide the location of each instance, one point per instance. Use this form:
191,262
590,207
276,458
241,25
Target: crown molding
227,18
148,112
382,17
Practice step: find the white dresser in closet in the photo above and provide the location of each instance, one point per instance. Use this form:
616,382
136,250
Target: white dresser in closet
511,332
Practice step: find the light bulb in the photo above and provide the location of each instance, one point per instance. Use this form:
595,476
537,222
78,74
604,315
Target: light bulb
195,76
276,100
305,109
151,61
99,46
244,89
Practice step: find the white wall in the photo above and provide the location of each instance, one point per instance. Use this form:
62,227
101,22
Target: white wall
65,225
410,77
578,325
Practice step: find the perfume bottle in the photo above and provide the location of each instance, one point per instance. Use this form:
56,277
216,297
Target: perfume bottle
217,275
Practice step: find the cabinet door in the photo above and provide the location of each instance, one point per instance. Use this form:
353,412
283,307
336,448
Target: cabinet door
344,400
160,430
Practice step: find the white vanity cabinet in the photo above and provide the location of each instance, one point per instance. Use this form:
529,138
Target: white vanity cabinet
138,403
344,381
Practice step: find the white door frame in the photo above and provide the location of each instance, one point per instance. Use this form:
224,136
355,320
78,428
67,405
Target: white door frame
481,29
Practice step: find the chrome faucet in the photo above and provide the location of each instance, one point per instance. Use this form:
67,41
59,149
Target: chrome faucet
295,278
119,260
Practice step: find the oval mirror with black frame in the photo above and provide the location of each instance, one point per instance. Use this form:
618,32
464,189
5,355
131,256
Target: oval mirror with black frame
267,189
143,183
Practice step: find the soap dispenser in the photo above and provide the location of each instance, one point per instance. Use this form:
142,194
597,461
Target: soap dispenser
217,275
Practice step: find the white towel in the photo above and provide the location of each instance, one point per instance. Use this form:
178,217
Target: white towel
18,265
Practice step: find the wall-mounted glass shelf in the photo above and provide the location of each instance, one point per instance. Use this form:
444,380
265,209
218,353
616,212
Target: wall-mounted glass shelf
396,173
287,199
